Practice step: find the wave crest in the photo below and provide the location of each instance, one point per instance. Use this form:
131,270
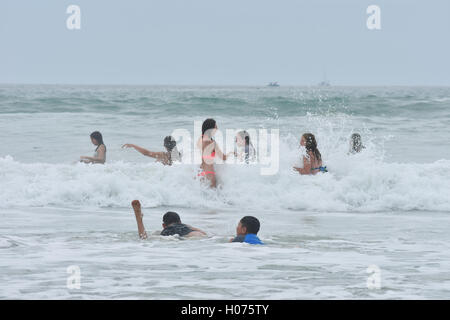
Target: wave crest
355,183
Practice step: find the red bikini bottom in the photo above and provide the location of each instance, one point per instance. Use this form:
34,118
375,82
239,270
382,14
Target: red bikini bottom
204,173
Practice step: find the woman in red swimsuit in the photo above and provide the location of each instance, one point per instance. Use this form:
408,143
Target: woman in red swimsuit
210,150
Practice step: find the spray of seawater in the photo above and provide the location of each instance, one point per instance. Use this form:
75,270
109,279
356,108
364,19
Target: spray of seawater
355,182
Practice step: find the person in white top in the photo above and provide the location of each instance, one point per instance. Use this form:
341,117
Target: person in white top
100,151
243,147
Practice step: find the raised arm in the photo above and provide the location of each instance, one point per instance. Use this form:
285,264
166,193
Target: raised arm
145,152
159,156
219,152
138,213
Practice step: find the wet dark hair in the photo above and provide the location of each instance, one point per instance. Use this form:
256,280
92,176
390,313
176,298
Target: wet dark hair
171,217
98,137
207,125
251,224
356,143
311,145
169,143
248,145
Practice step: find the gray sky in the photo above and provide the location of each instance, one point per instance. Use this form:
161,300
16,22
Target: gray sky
228,42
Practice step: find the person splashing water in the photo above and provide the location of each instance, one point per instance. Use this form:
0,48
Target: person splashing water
312,162
356,145
210,150
171,224
243,147
166,158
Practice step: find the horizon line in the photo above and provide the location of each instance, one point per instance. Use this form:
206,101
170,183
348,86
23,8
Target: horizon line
219,85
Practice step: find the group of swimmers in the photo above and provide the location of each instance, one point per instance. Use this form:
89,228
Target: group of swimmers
248,226
244,150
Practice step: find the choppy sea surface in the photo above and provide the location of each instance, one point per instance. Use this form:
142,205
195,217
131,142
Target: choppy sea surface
385,209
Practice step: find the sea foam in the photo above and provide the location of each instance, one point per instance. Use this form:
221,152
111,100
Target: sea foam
362,182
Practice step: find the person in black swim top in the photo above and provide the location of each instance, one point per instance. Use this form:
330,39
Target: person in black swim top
247,231
171,224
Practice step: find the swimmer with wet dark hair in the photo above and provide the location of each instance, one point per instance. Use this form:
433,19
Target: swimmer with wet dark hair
247,231
167,158
243,147
100,151
210,150
312,161
356,145
171,224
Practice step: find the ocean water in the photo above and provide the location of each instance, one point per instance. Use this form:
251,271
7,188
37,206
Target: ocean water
385,209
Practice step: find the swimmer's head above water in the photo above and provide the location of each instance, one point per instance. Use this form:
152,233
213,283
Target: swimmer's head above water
356,143
97,138
169,143
171,224
248,225
171,146
100,151
247,230
308,141
209,127
170,218
242,140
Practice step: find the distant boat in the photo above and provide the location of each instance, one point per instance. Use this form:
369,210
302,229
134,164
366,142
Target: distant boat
273,84
324,82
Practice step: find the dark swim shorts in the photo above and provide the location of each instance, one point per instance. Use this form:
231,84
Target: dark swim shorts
180,229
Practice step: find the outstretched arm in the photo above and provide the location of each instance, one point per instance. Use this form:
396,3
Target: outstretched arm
219,153
138,213
159,156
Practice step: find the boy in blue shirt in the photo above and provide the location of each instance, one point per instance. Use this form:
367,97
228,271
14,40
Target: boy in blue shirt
247,231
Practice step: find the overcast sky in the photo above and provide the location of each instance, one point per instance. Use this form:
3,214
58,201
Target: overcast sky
227,42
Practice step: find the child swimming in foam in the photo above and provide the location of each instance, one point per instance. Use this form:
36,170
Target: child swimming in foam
247,231
165,158
171,224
